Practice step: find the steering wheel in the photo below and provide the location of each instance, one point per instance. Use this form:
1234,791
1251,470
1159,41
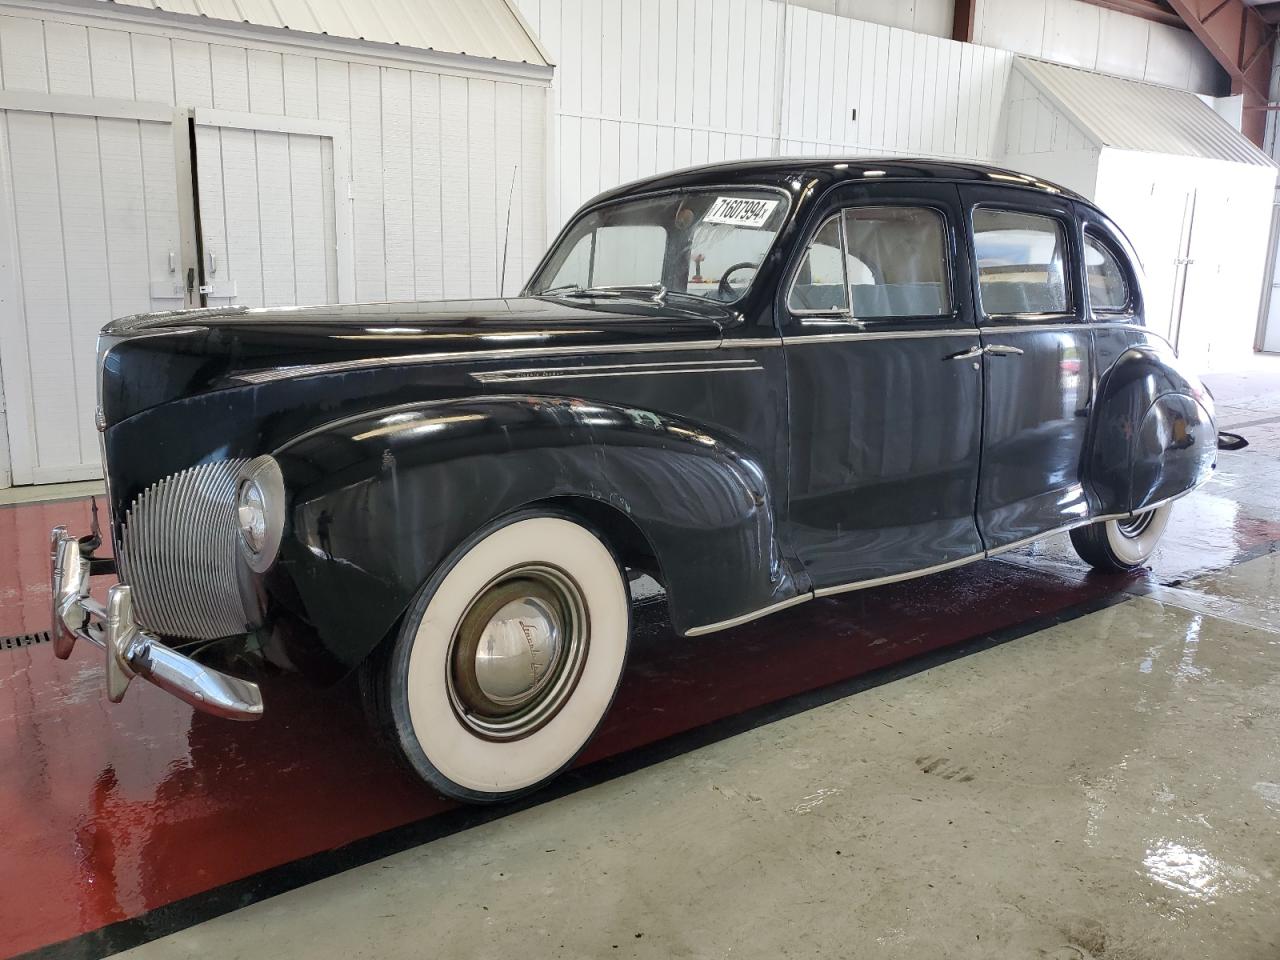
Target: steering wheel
725,289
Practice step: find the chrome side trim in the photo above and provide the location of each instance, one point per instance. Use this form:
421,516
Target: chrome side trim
1034,327
738,343
1033,318
996,551
588,372
896,577
514,353
990,331
972,333
506,353
748,617
924,572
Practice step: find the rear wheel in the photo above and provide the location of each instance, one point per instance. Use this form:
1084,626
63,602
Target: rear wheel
508,659
1121,545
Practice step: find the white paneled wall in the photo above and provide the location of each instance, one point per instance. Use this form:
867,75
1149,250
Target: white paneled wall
644,86
915,95
1041,139
92,203
432,158
649,85
1085,35
922,16
1269,322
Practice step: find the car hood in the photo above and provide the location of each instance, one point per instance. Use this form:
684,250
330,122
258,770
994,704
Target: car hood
150,359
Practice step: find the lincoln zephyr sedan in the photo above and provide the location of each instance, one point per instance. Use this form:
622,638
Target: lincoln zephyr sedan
758,382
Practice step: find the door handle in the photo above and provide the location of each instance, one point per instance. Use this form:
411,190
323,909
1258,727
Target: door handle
965,354
1000,350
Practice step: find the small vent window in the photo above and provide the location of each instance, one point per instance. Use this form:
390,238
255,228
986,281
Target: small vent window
820,285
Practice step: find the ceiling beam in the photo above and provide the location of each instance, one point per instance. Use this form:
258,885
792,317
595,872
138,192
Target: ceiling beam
1153,10
962,21
1242,42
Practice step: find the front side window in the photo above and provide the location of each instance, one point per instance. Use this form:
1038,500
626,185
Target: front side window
876,263
1108,288
1021,261
704,243
905,253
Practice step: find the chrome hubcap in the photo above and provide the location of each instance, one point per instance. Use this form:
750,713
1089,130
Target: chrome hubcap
518,652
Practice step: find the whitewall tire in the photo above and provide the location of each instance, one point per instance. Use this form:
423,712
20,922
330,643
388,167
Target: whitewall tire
509,658
1120,545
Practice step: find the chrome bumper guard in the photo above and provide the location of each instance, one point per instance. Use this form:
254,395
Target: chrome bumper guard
132,652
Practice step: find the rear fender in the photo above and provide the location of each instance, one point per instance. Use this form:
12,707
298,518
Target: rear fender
380,500
1153,435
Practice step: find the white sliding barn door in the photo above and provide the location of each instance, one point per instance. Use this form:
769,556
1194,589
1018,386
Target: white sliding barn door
269,215
89,231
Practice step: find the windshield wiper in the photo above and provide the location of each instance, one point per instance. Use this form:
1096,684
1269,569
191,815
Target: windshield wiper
658,291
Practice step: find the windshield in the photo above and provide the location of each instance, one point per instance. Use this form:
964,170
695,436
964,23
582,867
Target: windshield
704,243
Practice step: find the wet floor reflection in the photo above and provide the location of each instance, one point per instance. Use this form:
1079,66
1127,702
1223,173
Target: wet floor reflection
125,808
1193,872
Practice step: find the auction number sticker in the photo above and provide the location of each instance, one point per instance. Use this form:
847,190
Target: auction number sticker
740,211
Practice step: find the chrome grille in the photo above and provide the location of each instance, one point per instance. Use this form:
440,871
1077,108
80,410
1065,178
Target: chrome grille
179,551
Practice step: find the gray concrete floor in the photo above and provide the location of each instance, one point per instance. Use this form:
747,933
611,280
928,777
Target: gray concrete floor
1108,788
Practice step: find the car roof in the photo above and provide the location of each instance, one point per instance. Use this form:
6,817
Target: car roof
779,171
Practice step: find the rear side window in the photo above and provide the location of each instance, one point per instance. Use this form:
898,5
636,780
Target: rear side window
1021,260
876,263
1108,287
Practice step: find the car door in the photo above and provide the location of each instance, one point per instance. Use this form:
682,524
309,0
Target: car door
884,377
1037,363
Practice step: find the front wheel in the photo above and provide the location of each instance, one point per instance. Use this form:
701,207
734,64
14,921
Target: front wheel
1121,545
508,659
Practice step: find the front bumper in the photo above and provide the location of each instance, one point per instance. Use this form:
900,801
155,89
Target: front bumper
131,651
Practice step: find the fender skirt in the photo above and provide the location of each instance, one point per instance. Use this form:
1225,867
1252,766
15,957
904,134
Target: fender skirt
1153,432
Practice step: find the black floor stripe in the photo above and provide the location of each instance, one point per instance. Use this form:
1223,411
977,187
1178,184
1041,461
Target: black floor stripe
238,894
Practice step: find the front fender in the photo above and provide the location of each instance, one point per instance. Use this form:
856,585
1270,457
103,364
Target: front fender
1153,435
380,500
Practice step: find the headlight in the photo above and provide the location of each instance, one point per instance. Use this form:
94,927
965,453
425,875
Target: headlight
252,513
260,511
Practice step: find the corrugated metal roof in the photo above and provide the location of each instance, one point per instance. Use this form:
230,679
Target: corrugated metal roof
490,29
1132,115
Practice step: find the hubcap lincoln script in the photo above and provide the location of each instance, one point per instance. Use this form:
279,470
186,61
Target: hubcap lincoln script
518,652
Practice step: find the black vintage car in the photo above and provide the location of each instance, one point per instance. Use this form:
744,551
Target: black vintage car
759,382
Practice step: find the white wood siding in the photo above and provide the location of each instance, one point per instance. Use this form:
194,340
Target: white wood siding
1041,139
266,216
643,86
1082,34
91,205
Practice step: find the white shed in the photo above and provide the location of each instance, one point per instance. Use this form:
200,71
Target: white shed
156,154
1192,193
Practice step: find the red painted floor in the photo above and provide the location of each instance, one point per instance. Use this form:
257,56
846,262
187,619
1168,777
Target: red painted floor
112,811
